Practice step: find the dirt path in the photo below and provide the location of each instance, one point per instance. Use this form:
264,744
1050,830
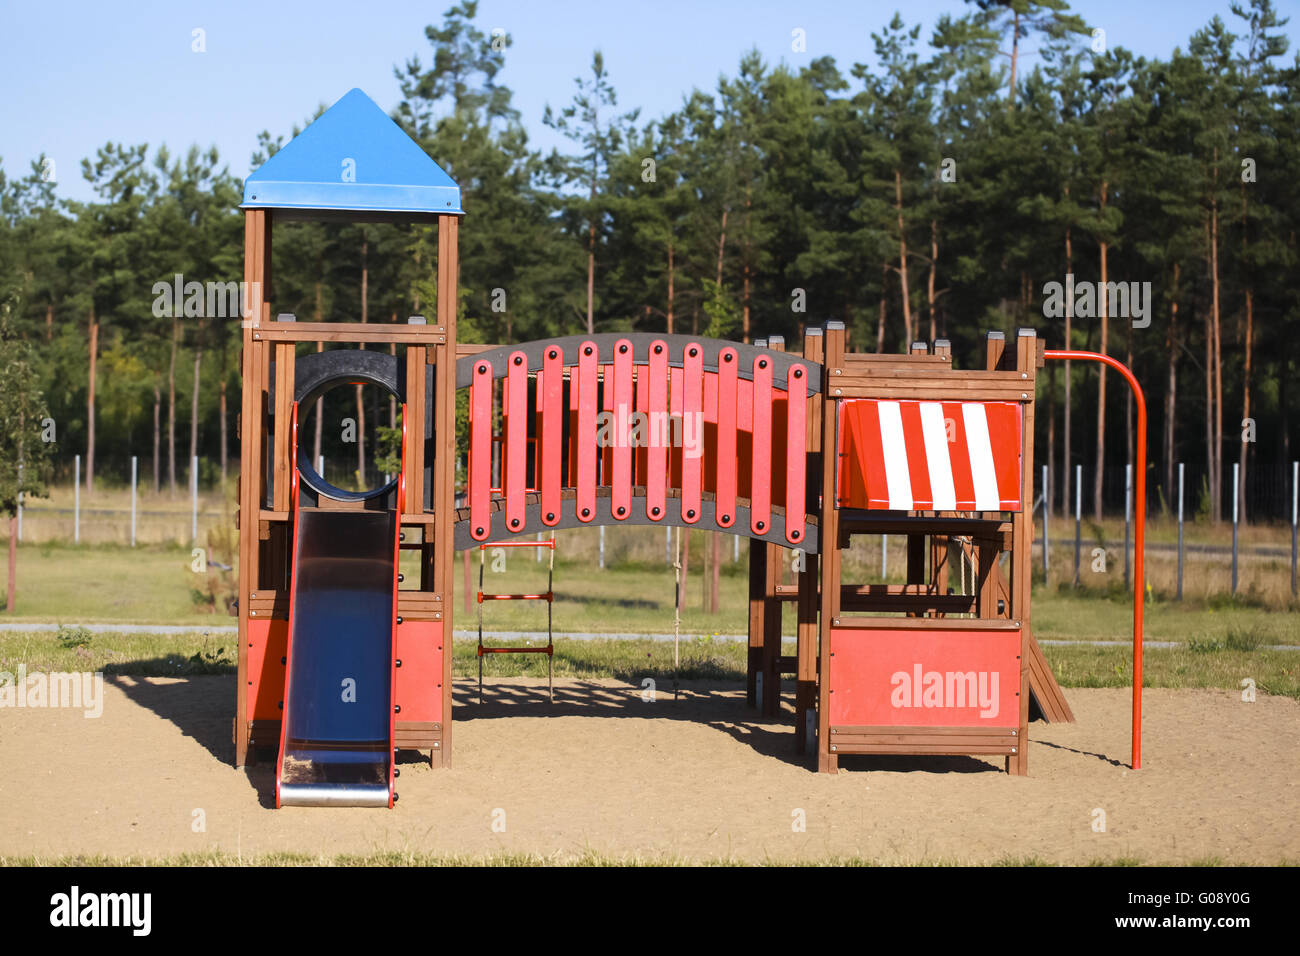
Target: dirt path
701,777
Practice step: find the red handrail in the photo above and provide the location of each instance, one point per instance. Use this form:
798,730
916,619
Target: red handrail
1139,584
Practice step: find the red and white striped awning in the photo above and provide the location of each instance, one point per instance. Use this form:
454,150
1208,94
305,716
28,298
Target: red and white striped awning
929,456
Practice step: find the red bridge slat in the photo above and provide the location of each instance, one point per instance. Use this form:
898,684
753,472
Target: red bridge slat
726,456
585,388
516,477
660,433
550,393
692,430
621,485
760,500
796,465
480,450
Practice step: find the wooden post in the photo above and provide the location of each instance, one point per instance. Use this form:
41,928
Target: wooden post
805,696
1022,540
758,578
444,455
829,535
252,475
772,616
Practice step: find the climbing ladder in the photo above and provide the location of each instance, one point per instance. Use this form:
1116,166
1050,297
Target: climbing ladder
548,596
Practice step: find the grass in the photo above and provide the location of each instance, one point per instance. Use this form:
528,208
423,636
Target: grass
1202,663
587,858
1224,638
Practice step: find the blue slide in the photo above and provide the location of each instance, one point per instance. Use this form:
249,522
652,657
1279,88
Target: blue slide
336,737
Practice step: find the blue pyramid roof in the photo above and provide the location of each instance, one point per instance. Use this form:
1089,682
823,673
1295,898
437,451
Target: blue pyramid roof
353,158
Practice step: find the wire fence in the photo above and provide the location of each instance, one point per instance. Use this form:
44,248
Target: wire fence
1251,551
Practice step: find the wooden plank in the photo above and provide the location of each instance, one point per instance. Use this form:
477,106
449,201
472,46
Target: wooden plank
282,419
853,746
807,631
415,412
1046,691
1023,543
904,730
250,502
845,621
827,762
291,332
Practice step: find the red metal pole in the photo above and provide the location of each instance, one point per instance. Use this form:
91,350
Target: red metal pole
1139,583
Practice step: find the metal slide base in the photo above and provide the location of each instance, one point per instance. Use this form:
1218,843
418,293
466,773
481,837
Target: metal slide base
333,795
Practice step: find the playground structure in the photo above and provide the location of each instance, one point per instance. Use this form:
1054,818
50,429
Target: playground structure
798,452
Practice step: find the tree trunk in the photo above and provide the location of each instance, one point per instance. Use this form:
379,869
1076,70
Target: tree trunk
902,259
670,287
224,448
1104,304
49,322
1248,363
722,247
1171,387
1067,460
194,410
1128,393
1215,365
717,560
171,413
744,304
90,405
157,438
934,260
13,563
1245,405
1015,55
880,321
686,568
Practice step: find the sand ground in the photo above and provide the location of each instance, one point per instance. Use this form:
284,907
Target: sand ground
700,777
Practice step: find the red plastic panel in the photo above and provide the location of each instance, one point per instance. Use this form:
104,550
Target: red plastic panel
638,430
726,460
621,485
585,387
760,503
516,405
692,413
912,455
675,410
796,465
550,392
912,678
480,450
418,682
660,430
268,641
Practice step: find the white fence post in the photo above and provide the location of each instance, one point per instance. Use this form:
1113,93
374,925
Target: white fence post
1180,531
134,474
1047,513
1128,518
76,502
1236,490
194,499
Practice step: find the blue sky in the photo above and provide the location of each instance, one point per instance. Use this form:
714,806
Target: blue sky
76,75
